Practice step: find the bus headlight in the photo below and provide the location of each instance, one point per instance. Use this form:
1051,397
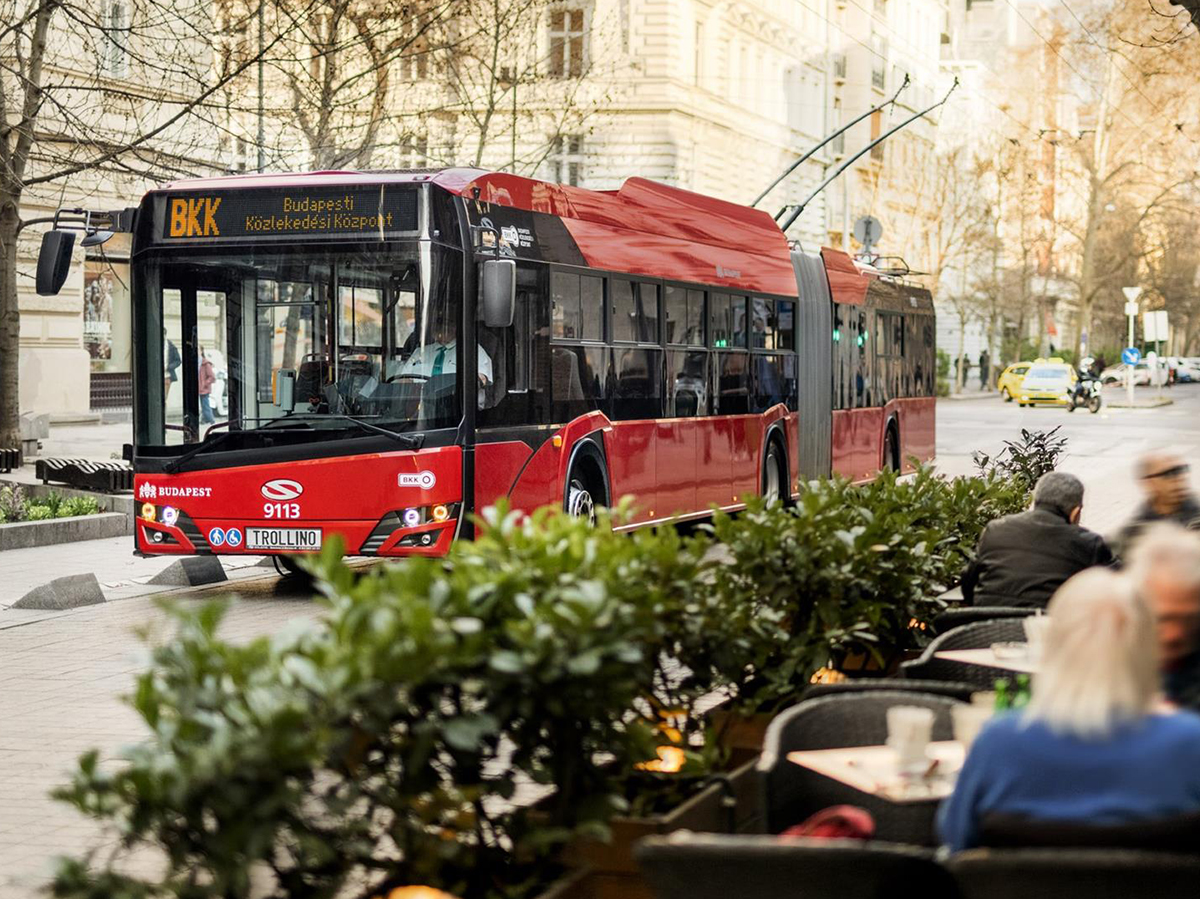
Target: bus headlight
440,513
148,511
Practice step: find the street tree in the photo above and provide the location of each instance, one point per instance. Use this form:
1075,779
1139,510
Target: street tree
95,99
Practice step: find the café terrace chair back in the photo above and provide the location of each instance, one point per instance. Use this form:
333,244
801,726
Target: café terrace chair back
979,635
951,689
1074,874
688,865
949,619
791,793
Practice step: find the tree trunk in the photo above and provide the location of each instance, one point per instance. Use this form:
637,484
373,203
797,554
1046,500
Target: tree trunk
10,325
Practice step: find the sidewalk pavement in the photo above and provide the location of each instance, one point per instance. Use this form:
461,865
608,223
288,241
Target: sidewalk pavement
121,574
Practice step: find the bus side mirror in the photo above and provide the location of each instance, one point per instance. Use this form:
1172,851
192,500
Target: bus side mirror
499,292
285,389
54,262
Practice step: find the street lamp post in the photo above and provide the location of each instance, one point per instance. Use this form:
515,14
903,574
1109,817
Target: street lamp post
1131,310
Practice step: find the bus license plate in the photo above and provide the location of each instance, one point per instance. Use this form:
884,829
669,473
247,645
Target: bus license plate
285,539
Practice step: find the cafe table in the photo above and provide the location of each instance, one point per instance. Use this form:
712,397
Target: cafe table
987,658
873,770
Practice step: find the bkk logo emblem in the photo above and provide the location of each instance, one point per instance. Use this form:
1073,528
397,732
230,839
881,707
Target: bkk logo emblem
281,490
423,479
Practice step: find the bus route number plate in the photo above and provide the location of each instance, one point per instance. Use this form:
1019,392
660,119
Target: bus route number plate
284,539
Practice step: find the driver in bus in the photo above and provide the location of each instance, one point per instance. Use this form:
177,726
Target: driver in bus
438,356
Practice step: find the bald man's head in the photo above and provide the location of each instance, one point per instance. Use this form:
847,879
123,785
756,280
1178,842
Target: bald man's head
1164,478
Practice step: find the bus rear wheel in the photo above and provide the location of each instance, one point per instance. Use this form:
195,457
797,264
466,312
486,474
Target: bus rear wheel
891,450
774,474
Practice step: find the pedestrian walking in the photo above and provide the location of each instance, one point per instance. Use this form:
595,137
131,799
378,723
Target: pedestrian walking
1023,558
1164,565
1168,497
207,377
171,362
984,369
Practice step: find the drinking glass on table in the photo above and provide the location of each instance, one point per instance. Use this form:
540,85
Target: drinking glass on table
1035,634
909,731
968,720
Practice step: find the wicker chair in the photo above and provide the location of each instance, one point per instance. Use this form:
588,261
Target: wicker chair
791,793
711,866
1074,874
952,618
979,635
868,684
1175,833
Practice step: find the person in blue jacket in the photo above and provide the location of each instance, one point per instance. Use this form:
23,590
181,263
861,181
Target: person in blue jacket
1096,744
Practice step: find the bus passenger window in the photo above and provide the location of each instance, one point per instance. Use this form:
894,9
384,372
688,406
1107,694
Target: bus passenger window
591,307
762,323
687,383
739,322
719,330
564,316
634,311
684,311
637,391
785,324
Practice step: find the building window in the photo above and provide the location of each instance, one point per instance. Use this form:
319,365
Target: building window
415,151
116,39
414,58
567,160
567,49
879,53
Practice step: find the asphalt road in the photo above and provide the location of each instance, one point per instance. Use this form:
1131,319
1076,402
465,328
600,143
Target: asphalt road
1102,449
63,677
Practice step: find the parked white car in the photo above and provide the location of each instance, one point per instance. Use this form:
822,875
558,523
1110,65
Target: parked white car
1185,369
1115,374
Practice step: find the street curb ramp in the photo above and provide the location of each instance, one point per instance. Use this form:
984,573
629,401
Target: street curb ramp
191,571
63,593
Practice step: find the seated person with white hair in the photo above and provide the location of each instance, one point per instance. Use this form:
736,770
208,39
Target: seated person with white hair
1165,569
1090,747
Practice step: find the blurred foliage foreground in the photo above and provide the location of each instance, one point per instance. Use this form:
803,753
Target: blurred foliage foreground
385,744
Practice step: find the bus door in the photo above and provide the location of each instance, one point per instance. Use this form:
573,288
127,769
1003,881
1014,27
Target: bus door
194,391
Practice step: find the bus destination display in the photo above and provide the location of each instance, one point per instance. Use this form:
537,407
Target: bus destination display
331,212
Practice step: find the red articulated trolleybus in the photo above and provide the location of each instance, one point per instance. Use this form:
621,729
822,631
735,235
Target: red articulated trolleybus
377,354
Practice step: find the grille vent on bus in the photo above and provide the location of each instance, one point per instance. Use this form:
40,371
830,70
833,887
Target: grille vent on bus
387,525
192,532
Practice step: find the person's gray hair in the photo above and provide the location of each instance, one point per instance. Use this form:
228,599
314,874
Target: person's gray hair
1166,551
1099,663
1060,491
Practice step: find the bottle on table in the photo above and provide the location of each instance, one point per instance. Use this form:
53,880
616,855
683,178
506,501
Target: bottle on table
1003,701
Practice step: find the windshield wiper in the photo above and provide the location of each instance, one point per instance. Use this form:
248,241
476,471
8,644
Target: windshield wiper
407,440
175,464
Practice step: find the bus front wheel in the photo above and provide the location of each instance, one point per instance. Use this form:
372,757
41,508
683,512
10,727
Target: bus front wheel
585,487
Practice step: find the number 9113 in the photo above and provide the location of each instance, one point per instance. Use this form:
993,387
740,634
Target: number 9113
281,510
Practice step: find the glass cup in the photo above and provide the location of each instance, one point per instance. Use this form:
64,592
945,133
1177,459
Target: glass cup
909,731
1036,627
968,720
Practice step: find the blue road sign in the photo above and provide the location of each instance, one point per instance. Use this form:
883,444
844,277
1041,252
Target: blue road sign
1131,355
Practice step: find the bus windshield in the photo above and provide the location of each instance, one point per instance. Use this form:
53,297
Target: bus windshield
366,331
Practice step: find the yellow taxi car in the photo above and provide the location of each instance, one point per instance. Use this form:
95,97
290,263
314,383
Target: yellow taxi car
1009,382
1047,384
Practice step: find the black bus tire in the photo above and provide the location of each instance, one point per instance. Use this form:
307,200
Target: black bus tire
289,566
774,482
891,449
585,490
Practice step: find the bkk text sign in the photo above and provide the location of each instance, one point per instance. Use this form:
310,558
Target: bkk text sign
373,211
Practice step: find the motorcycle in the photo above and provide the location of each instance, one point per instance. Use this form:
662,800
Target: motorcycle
1086,393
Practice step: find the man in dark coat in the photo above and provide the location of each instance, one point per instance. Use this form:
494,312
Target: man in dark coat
1169,498
1022,559
1164,564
